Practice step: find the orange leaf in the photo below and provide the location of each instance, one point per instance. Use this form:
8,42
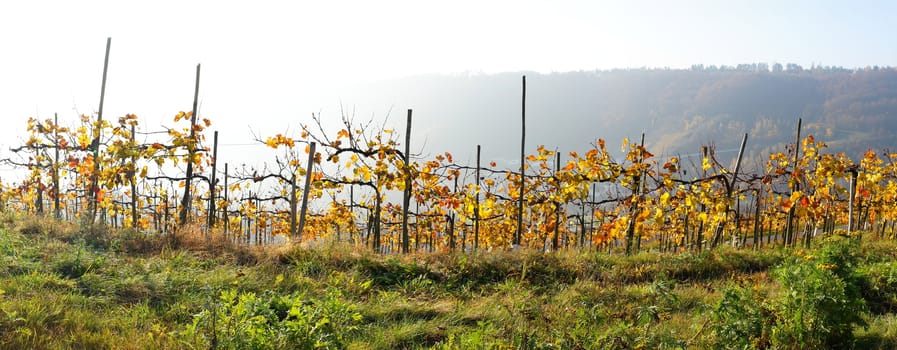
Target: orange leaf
865,192
787,204
646,154
593,153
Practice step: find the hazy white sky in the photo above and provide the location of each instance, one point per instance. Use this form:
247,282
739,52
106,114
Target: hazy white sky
266,64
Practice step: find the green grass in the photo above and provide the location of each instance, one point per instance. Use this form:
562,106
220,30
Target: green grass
64,287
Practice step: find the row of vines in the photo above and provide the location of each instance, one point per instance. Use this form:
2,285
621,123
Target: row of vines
98,170
589,200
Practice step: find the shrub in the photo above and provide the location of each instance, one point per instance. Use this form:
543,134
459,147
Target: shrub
270,321
818,307
740,319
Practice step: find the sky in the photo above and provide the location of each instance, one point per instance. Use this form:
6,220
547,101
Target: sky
267,65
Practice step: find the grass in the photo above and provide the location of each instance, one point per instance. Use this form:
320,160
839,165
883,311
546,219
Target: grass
62,287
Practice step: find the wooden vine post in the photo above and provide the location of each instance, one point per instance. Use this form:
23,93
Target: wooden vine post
352,226
592,216
451,220
850,200
730,186
406,194
643,188
213,181
476,208
519,234
557,204
191,152
375,226
758,198
55,167
308,175
133,180
630,231
293,200
789,223
93,193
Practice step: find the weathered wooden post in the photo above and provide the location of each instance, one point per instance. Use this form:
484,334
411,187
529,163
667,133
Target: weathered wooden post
630,231
191,152
730,186
55,166
592,215
850,201
451,220
789,223
308,175
92,194
213,181
518,236
476,208
557,205
134,218
406,194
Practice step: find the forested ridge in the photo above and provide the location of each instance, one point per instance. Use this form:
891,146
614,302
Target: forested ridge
678,109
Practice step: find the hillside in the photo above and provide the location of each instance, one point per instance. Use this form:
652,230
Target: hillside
94,288
679,110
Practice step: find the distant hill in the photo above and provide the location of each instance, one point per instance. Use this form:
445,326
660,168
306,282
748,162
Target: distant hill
679,110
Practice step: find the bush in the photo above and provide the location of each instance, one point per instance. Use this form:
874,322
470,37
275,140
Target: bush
740,319
818,307
269,321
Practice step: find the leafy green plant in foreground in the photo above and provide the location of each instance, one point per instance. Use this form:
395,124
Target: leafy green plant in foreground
269,321
818,306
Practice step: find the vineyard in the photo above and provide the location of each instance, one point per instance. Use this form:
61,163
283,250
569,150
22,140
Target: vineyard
97,170
116,236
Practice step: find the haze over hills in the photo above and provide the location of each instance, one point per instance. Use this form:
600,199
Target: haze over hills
678,110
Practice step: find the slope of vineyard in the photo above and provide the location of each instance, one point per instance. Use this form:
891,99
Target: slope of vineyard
339,180
341,236
346,189
62,286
